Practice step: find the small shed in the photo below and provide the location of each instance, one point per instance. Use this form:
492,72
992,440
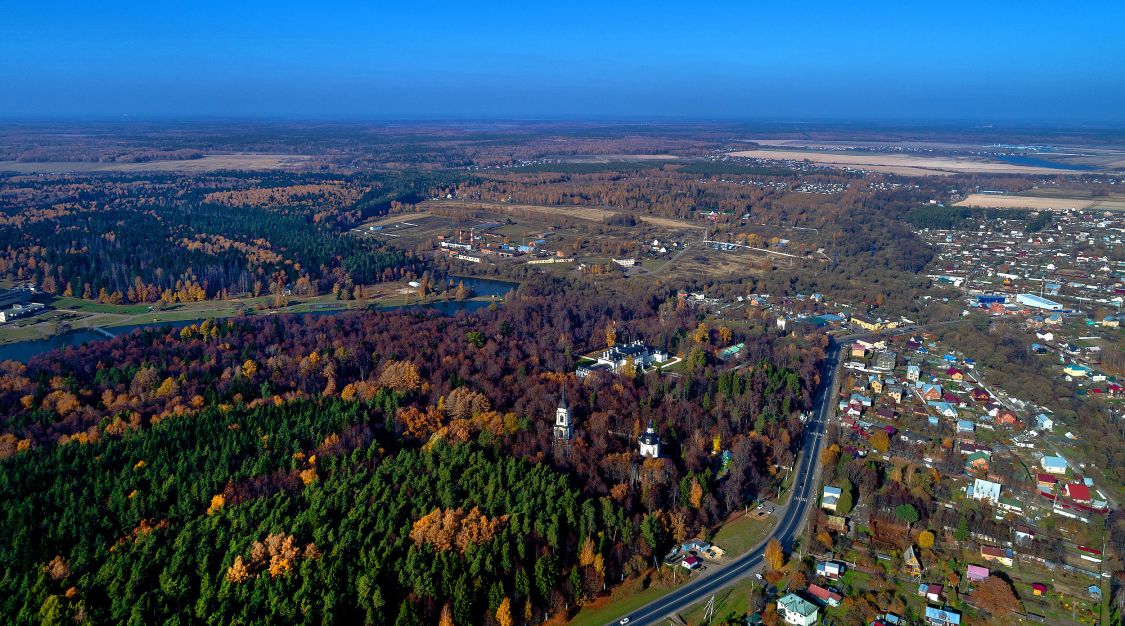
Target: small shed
976,573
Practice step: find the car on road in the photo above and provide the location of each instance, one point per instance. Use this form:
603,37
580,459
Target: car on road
624,620
758,575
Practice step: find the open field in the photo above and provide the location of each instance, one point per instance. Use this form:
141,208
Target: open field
701,261
742,532
207,163
611,158
399,218
905,165
732,599
667,222
622,602
992,201
578,212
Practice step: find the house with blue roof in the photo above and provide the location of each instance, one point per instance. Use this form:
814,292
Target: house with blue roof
942,617
860,399
1076,370
1053,464
928,391
944,409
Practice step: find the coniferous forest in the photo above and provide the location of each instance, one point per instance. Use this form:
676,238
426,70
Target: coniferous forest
375,468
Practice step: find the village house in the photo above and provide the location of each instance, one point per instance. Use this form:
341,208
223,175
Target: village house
977,461
931,592
911,565
976,573
928,391
1007,417
824,596
994,554
885,361
875,383
1010,505
1023,533
1077,492
942,617
1053,464
866,323
832,570
985,490
894,392
830,498
797,611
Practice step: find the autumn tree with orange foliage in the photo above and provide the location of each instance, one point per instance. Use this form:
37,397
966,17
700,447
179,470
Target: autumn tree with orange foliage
995,595
774,556
450,529
400,376
419,424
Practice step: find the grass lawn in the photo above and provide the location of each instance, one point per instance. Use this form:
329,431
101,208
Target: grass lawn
78,304
618,605
741,533
732,599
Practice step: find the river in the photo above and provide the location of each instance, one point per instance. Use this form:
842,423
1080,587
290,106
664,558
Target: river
24,350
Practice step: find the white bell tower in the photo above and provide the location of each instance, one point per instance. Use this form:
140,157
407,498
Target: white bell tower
563,427
649,443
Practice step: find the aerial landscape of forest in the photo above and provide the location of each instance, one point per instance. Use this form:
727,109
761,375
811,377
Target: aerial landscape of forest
308,317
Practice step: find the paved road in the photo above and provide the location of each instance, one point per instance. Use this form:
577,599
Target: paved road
792,514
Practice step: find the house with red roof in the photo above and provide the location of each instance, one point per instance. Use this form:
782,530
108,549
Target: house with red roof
1078,492
1004,556
825,596
931,592
981,395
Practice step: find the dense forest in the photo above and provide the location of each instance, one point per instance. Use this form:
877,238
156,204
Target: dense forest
259,439
178,239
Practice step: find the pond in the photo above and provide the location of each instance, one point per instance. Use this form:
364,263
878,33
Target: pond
24,350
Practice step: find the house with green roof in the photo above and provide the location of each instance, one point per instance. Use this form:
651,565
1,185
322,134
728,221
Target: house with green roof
797,611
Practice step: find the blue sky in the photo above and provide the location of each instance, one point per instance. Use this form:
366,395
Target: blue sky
981,61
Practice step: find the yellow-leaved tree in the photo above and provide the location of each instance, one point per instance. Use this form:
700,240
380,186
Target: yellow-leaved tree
774,555
504,613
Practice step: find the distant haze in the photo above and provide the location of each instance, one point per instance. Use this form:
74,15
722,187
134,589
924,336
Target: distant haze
981,61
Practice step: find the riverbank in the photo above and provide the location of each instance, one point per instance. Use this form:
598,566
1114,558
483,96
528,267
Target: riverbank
74,322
